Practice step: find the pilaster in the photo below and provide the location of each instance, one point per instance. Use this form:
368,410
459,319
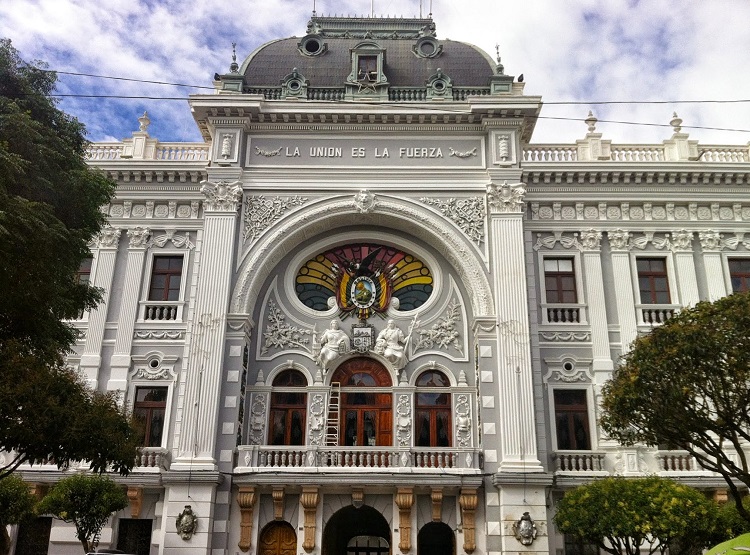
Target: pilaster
619,244
682,247
107,244
120,363
516,419
590,246
711,244
205,362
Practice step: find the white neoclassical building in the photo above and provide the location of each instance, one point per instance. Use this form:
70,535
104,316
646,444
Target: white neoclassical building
368,315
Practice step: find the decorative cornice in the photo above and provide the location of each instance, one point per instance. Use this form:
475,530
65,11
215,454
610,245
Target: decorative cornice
645,212
506,198
221,196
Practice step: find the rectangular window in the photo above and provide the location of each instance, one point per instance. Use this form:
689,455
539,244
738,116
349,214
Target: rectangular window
560,280
134,535
83,275
367,68
652,280
166,278
149,411
739,272
572,419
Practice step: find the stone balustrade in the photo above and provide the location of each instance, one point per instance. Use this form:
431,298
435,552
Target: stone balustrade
715,154
553,313
151,459
586,462
173,152
655,314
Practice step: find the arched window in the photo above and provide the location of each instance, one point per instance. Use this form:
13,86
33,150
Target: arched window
436,538
432,421
366,411
288,409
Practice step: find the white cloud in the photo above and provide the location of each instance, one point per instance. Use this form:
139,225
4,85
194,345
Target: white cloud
587,50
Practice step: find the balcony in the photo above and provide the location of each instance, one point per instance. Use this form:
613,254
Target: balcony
579,462
428,460
151,459
161,311
655,314
569,313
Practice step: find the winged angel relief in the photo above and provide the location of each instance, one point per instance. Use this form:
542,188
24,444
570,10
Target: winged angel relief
363,280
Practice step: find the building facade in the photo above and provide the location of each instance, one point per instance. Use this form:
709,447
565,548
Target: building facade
369,315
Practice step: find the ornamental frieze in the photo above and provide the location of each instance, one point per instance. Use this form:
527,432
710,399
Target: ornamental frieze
626,211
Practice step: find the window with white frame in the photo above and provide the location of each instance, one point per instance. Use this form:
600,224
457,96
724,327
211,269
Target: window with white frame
165,287
653,281
561,295
739,274
149,412
572,419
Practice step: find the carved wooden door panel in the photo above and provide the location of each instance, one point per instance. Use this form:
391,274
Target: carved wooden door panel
278,538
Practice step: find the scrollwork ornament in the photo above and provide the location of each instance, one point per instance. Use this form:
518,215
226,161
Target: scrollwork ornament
221,196
467,213
710,240
403,420
463,421
507,198
619,239
261,212
108,238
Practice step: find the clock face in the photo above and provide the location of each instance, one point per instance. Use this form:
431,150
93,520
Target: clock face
362,293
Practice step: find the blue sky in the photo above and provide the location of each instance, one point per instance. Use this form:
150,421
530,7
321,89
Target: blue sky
569,51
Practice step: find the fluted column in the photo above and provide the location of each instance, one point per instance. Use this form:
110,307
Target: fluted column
518,441
204,368
120,363
107,243
590,247
682,246
711,243
619,244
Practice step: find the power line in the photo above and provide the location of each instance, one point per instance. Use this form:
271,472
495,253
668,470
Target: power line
125,79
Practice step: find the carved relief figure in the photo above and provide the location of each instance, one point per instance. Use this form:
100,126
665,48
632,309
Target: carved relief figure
390,344
333,343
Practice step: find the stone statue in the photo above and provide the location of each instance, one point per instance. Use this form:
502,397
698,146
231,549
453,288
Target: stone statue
187,523
390,343
333,343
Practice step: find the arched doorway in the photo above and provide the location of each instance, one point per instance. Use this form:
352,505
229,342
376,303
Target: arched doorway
353,531
436,538
277,538
366,407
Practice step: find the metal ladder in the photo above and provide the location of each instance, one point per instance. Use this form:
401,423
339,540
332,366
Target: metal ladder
332,419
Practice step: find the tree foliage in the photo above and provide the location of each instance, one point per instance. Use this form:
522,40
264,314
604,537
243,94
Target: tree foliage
16,504
632,516
49,211
87,501
687,385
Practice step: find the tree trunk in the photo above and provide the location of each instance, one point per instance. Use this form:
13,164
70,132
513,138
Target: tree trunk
4,540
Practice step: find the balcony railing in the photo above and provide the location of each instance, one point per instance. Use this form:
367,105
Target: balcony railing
163,311
152,459
563,313
585,462
655,314
260,458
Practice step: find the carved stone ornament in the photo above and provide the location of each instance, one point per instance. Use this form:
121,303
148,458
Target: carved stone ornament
221,196
403,420
506,198
618,239
682,240
467,213
261,212
179,241
364,201
524,529
590,240
108,238
463,421
443,334
139,237
317,419
187,523
710,240
226,146
280,335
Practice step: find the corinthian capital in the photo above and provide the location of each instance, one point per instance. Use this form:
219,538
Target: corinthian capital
108,238
221,196
506,198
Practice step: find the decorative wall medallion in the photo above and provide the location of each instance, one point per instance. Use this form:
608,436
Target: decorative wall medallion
524,529
261,212
161,211
443,334
280,335
364,201
187,523
463,421
362,278
467,213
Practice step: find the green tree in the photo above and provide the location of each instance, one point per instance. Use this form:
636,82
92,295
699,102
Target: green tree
687,385
16,504
87,501
49,210
632,516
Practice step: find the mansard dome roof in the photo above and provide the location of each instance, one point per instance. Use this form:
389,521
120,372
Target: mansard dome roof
411,54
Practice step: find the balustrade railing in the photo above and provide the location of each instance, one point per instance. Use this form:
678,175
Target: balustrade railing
161,311
278,458
152,458
676,461
173,152
563,313
550,153
579,461
655,314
